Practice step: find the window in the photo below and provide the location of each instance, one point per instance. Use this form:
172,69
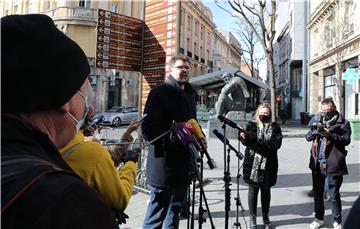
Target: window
30,8
195,48
329,30
349,16
208,38
182,16
15,9
188,44
189,22
114,8
296,82
196,27
84,3
202,33
329,82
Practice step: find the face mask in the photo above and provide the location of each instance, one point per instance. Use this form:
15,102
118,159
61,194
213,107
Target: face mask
330,114
88,98
264,118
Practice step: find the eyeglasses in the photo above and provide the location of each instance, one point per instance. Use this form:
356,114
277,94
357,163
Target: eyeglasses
182,67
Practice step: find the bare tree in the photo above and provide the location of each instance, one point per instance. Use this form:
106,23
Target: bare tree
265,12
249,42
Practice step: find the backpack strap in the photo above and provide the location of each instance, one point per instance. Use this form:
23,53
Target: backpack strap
19,172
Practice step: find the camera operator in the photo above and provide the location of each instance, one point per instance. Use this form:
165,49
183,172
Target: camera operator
330,133
96,164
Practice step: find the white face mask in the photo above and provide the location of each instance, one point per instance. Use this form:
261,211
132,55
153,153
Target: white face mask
87,98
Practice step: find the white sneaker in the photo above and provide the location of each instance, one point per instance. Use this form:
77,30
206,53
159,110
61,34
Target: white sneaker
316,224
337,225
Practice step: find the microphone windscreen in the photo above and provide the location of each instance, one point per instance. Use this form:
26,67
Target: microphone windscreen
183,133
197,129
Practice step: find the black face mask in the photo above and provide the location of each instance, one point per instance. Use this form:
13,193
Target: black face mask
330,114
264,118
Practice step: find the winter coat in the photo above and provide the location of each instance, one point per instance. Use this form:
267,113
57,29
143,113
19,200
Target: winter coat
56,200
92,162
262,143
335,152
168,162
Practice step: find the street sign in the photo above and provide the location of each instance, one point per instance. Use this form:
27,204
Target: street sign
119,40
350,75
159,42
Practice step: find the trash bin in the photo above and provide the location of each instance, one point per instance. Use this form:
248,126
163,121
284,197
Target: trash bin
304,118
355,129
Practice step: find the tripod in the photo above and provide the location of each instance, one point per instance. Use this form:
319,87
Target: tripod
237,198
227,179
198,176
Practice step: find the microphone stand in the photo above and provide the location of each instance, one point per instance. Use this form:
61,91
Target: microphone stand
237,198
226,179
202,194
201,217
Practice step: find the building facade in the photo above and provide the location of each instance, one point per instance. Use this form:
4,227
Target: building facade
78,20
226,50
196,36
335,49
291,58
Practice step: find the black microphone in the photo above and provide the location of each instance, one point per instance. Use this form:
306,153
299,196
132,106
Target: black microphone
230,123
95,121
226,141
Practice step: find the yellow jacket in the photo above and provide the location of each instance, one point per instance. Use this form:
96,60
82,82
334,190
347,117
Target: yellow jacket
93,163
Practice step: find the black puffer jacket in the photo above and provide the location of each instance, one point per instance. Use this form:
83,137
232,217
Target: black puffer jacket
265,142
168,163
335,152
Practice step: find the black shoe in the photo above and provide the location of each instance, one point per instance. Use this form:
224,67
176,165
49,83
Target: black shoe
253,222
267,225
266,220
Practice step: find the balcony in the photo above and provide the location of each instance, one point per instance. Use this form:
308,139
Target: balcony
74,15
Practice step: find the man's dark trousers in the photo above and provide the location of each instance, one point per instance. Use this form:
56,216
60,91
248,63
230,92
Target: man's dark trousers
334,190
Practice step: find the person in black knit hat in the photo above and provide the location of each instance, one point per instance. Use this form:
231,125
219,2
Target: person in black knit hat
45,96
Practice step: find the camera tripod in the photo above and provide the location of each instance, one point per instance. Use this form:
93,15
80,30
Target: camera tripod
199,177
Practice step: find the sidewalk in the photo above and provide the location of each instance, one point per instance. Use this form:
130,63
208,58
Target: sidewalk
290,205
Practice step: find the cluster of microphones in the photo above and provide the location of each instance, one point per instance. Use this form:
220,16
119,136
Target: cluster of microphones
191,136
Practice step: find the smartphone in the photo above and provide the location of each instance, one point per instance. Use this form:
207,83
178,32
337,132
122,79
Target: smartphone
142,118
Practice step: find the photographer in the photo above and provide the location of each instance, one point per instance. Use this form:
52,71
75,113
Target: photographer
330,133
96,165
262,140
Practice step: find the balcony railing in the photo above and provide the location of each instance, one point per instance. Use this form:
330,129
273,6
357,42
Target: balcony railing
79,14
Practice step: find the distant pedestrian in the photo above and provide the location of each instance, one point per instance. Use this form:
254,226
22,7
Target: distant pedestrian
262,141
330,133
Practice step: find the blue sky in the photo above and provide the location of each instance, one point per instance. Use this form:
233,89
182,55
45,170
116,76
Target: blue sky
225,21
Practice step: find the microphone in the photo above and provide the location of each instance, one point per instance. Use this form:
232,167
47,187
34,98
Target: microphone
95,121
187,140
231,123
199,135
226,141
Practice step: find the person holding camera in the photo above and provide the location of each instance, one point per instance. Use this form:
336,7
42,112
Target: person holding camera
262,139
96,164
329,133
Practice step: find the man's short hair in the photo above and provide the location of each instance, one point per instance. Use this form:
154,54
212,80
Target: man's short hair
42,68
176,58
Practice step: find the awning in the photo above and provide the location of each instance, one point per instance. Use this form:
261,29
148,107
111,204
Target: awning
213,80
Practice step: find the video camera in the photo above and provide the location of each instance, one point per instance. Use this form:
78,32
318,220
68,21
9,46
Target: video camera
319,125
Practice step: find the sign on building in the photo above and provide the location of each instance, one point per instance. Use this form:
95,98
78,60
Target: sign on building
119,40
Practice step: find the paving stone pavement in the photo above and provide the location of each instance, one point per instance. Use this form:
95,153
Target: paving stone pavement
290,205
